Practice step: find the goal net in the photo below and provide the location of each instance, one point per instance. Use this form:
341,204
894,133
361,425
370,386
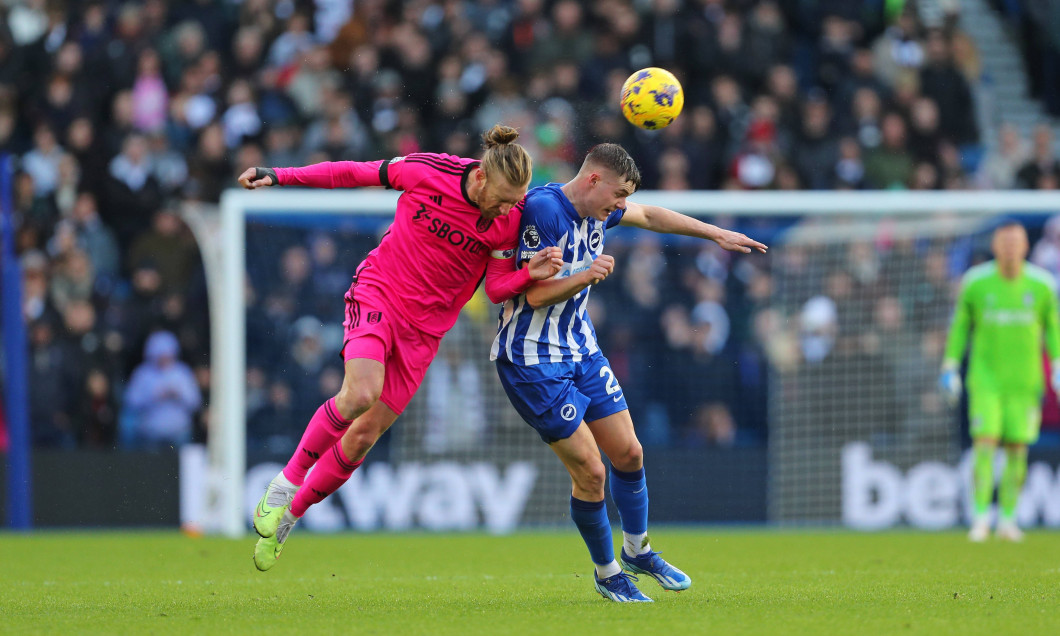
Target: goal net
842,326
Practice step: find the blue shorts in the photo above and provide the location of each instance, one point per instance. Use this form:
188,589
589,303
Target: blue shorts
556,397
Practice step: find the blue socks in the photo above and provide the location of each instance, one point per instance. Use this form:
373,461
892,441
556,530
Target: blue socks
630,494
592,522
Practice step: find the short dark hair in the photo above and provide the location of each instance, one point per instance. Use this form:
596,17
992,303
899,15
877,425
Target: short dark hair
615,158
1006,222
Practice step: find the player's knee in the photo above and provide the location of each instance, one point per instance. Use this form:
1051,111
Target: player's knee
352,401
631,459
592,476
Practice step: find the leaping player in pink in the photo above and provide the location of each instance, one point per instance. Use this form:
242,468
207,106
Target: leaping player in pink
452,227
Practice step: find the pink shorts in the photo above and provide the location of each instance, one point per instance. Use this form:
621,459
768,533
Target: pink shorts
376,332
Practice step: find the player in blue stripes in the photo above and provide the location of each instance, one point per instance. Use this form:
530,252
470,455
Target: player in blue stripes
558,379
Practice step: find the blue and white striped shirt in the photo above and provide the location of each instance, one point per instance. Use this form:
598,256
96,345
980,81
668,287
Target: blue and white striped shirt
562,332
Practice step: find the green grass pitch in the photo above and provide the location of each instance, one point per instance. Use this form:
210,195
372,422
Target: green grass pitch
744,582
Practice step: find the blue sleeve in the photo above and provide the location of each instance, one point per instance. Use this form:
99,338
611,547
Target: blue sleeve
541,226
614,218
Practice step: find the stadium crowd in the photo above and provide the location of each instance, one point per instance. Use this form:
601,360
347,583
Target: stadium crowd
117,113
1038,25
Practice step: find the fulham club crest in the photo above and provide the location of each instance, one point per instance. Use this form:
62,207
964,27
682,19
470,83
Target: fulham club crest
483,224
374,317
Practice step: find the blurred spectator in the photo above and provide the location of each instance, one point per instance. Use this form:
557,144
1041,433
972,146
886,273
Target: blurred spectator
72,279
816,149
170,249
42,163
98,412
132,192
890,165
1042,165
849,169
50,389
1041,40
150,99
161,398
273,427
307,356
84,145
455,415
294,41
241,119
925,135
898,49
818,325
1001,164
1046,252
942,82
209,170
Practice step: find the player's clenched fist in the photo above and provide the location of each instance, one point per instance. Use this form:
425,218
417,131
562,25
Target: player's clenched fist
546,263
601,268
258,178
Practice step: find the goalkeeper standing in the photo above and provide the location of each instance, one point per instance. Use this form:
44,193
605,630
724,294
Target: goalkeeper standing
1008,306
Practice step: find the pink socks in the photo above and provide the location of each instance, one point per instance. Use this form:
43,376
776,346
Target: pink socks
325,428
333,470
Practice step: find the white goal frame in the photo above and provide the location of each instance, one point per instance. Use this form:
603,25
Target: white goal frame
222,239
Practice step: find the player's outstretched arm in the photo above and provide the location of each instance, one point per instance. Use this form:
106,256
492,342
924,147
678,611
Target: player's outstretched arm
556,290
666,221
503,281
329,174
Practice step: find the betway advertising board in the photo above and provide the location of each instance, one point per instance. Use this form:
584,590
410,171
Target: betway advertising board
935,495
497,497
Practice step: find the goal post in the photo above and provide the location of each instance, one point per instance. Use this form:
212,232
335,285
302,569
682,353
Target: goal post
223,242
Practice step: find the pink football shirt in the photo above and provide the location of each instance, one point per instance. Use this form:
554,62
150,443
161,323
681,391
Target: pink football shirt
435,253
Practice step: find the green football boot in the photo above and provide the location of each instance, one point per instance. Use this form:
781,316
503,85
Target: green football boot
268,549
270,508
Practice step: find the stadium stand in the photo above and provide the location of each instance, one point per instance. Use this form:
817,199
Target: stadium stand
120,111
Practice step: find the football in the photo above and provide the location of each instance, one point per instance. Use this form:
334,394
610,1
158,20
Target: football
652,98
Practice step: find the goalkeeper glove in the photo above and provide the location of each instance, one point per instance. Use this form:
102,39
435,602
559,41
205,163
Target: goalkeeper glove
950,384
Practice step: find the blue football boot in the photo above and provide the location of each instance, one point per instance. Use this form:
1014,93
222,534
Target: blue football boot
620,589
650,563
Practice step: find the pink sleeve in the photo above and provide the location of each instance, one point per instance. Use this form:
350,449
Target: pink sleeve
503,282
333,174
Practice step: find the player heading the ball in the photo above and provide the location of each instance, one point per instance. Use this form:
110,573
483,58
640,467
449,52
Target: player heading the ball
555,375
456,220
